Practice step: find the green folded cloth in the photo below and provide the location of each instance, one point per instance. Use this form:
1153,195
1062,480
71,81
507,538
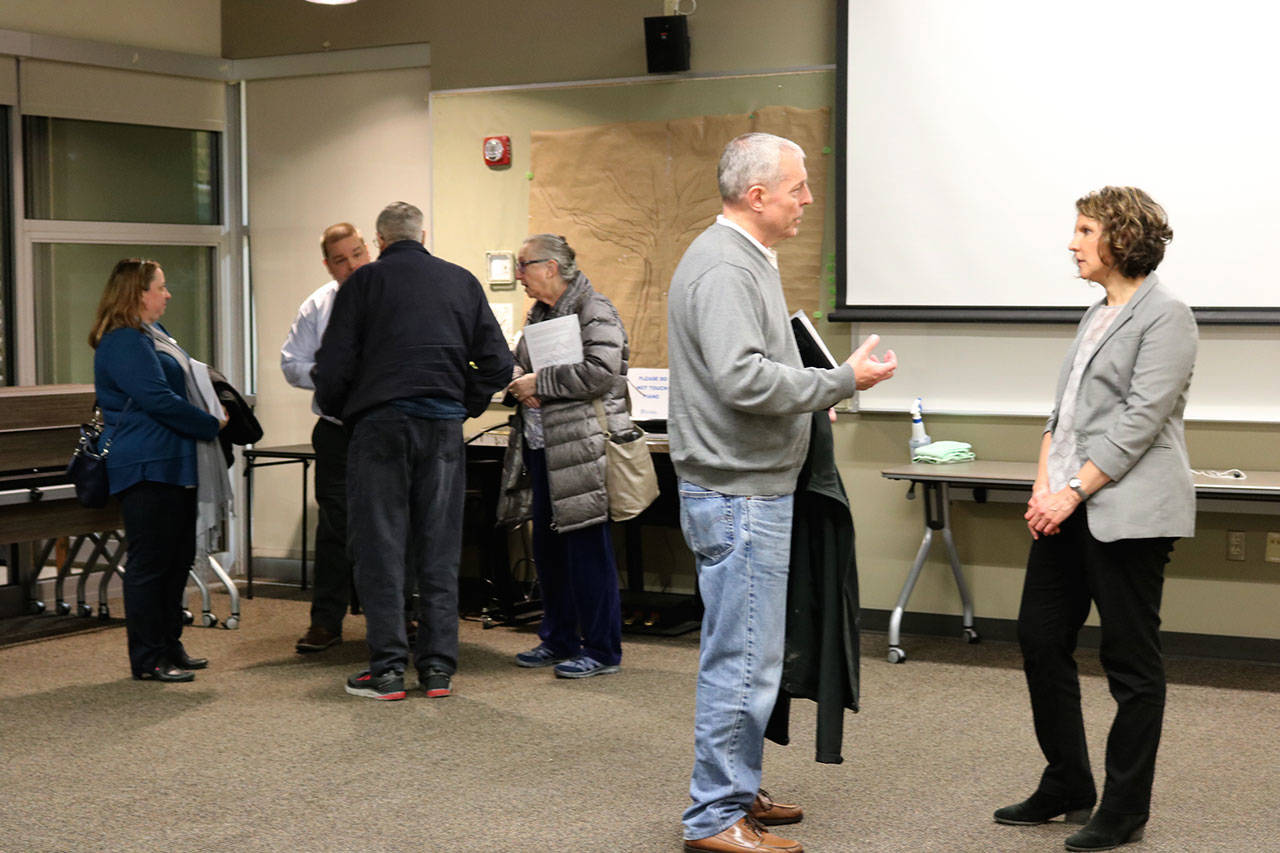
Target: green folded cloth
944,452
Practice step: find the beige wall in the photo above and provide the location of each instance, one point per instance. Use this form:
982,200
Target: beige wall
186,26
322,150
524,41
1204,592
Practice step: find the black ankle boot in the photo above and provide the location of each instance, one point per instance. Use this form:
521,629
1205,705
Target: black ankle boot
1108,829
1041,808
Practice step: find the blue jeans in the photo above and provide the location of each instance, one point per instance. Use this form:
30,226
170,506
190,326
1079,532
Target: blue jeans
742,546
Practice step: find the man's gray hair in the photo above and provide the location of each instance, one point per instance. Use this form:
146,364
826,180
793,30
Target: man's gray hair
750,159
400,221
556,248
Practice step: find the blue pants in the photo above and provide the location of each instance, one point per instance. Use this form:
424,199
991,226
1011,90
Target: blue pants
742,548
581,608
405,482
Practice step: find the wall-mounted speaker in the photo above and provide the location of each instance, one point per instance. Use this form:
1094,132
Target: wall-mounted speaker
666,43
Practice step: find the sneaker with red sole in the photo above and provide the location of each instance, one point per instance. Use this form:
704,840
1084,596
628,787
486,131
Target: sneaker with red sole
385,685
437,683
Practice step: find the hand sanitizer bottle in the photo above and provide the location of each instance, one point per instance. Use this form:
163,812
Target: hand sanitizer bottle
919,438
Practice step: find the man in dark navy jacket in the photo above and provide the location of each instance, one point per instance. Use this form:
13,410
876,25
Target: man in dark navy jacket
412,349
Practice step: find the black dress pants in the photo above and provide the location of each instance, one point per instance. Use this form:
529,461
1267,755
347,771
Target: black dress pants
332,594
160,529
1065,572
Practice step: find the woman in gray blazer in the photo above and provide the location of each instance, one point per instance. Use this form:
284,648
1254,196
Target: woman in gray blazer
1112,493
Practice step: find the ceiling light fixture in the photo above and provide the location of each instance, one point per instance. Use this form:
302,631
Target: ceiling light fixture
331,2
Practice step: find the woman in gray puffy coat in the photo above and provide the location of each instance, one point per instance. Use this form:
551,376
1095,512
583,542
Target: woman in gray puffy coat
561,444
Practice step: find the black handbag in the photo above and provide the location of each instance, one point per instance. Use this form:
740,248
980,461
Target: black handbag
87,469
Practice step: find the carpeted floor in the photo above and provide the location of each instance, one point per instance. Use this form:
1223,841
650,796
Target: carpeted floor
265,752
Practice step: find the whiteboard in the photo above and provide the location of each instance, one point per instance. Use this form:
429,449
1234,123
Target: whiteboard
971,129
1004,369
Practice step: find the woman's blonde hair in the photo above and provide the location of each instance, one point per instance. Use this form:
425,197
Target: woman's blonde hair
122,297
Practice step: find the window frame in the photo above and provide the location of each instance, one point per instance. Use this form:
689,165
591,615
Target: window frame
8,271
226,314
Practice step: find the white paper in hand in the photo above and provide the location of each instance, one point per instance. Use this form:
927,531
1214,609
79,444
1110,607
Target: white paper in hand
557,341
208,397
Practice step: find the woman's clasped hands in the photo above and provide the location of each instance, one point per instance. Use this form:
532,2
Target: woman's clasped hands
524,388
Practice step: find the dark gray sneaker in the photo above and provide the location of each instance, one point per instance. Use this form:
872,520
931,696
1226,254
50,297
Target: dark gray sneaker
437,683
385,685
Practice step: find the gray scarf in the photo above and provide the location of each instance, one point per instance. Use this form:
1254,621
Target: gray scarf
213,492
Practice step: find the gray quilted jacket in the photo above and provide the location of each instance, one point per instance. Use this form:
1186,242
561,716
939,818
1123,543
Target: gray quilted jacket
571,427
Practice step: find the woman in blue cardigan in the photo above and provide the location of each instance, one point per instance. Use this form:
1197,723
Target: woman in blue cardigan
142,391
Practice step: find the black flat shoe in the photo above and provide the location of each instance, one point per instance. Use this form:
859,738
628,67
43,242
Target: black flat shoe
185,661
1042,808
1108,830
165,672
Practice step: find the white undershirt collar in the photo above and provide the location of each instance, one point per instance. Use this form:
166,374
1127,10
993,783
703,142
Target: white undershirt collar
770,255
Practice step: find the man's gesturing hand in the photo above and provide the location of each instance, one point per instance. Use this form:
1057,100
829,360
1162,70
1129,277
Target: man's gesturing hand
870,368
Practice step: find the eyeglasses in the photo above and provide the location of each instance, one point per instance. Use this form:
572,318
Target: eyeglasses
520,265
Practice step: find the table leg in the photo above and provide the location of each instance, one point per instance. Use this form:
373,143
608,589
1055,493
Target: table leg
306,466
248,528
896,652
937,516
966,600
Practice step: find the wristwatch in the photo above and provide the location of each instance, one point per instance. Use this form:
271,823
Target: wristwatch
1078,487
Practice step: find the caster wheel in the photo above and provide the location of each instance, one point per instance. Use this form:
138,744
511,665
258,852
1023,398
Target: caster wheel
36,607
104,612
897,655
208,620
971,636
83,610
187,617
63,608
232,623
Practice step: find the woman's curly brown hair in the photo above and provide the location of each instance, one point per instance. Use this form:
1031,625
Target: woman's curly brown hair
1135,229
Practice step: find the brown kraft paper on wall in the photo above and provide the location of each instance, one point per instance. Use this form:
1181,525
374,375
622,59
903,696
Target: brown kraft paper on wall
631,197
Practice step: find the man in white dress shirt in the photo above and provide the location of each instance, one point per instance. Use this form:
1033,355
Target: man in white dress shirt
344,251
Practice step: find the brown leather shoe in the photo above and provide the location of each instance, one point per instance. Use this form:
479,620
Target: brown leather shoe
745,835
317,639
771,813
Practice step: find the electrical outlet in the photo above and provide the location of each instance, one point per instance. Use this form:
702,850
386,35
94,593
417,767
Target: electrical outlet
1235,544
1273,547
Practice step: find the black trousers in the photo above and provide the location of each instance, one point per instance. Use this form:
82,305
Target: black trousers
1065,572
406,478
160,529
332,593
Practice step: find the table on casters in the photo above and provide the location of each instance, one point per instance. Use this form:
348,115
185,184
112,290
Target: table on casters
1255,492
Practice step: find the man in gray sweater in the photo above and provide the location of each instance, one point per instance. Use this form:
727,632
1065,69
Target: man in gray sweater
740,407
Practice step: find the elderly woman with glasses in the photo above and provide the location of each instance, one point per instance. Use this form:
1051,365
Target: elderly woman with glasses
558,437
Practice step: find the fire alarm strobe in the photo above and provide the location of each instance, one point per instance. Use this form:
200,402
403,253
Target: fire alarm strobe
497,150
